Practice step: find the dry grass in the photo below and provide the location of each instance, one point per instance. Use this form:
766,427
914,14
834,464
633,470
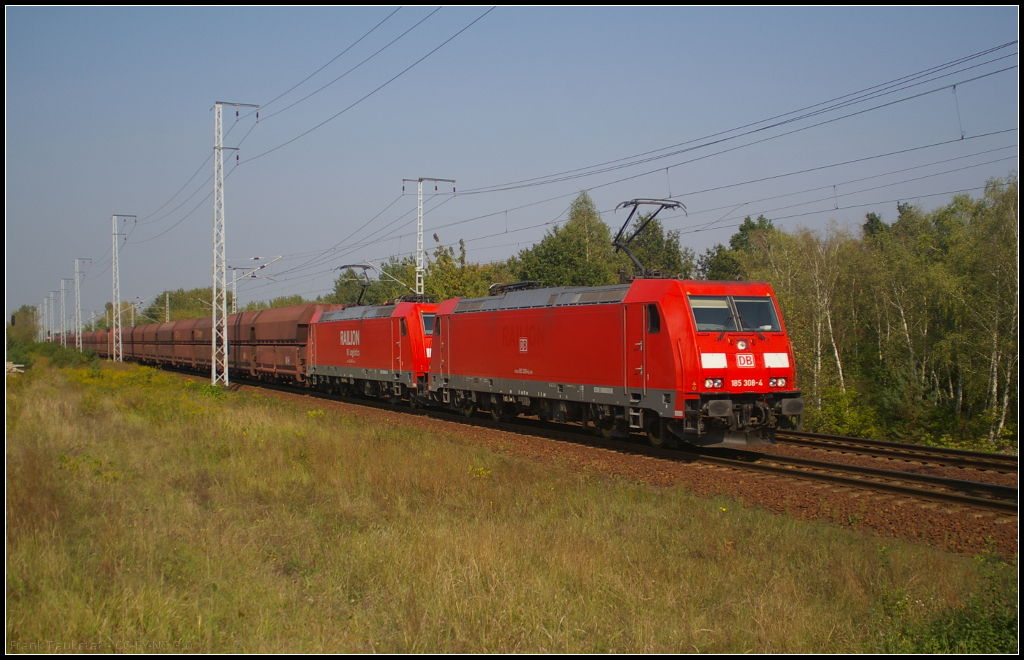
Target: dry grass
148,513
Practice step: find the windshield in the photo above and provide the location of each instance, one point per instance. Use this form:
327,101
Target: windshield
757,314
428,323
727,313
712,313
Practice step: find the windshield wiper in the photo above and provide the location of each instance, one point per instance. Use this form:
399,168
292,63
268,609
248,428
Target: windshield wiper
743,325
725,328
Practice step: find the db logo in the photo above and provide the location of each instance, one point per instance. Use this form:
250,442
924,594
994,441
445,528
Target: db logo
744,360
522,344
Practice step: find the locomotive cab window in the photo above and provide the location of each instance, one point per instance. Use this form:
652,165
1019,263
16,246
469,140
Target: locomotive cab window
405,328
428,324
757,314
712,313
653,320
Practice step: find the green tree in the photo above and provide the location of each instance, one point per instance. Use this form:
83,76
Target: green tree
183,304
658,250
579,253
743,239
23,325
280,301
451,275
873,225
718,263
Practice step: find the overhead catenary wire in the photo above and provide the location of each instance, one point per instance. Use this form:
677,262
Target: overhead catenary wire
312,129
354,104
750,181
331,61
829,186
276,98
366,242
736,148
782,135
375,54
845,101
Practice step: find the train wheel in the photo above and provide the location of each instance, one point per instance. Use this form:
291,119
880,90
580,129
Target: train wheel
654,433
604,429
495,409
469,409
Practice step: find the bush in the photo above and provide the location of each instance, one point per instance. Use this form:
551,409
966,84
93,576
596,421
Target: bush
842,413
985,623
18,352
26,353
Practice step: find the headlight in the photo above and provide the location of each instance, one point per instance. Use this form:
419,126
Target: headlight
710,383
776,382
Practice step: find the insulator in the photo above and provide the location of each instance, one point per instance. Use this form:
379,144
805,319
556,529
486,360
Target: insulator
236,112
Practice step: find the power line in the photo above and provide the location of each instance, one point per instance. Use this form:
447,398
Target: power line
365,241
194,209
844,208
858,160
396,77
875,91
836,196
354,43
741,183
353,68
736,148
200,168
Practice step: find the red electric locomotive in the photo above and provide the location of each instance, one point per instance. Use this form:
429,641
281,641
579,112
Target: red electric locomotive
379,351
705,362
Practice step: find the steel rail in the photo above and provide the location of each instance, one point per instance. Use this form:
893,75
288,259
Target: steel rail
938,455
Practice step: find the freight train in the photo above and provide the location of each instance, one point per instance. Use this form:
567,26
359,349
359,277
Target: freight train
706,363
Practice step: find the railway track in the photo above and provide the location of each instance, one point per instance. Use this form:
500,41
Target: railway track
961,492
897,451
956,492
944,490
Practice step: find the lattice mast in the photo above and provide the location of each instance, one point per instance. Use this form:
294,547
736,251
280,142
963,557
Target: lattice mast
419,223
219,313
63,315
78,304
116,350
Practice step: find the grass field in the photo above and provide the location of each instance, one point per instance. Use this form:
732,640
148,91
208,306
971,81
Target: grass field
146,512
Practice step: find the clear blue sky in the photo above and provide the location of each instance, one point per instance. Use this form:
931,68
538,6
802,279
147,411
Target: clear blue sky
109,111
